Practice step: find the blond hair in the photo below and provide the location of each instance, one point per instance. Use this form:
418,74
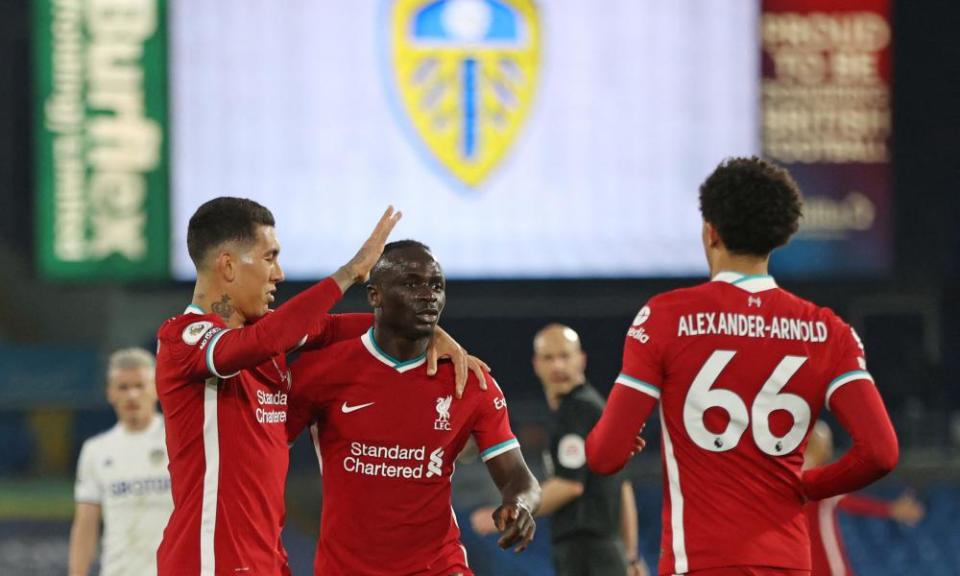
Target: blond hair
131,359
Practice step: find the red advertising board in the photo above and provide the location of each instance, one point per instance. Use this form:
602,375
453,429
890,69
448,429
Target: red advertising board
826,70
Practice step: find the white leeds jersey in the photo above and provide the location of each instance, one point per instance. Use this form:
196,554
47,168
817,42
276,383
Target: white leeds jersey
125,473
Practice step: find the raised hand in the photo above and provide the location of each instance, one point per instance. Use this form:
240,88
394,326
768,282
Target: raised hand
358,268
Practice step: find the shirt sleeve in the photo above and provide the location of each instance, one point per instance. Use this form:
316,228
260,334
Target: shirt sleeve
642,368
852,396
88,487
875,450
207,348
492,427
570,447
339,327
850,364
860,505
635,393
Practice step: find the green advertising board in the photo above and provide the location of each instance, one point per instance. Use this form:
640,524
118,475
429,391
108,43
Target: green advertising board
101,135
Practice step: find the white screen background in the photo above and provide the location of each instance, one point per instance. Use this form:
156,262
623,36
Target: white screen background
291,103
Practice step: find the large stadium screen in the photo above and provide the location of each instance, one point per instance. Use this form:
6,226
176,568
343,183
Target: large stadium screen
551,139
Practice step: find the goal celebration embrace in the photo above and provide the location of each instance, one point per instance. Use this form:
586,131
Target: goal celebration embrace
738,368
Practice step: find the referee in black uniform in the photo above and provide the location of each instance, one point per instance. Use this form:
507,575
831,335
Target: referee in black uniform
594,525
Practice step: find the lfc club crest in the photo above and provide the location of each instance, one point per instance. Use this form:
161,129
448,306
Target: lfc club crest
443,413
465,72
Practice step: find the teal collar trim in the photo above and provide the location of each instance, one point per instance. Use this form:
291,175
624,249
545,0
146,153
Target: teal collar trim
399,365
752,283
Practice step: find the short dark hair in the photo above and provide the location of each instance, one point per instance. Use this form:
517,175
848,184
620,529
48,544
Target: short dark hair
754,205
224,219
385,258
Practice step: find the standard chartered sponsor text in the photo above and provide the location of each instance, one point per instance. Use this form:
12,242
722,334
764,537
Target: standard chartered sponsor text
395,461
265,416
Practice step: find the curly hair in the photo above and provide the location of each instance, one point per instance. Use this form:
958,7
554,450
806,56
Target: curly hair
754,205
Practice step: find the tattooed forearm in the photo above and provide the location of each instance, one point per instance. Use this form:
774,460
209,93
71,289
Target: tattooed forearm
224,308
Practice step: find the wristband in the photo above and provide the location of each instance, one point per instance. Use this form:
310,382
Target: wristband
520,504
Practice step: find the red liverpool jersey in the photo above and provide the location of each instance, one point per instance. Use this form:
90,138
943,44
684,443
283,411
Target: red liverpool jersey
741,369
826,542
224,395
387,436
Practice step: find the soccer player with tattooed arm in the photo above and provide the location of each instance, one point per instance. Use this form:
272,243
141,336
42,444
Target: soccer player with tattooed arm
741,369
223,382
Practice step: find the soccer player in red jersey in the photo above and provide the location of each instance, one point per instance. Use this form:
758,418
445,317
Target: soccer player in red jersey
222,380
387,436
828,556
741,369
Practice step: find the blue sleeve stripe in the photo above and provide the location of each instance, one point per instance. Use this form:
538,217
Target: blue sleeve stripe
842,379
210,366
499,449
639,385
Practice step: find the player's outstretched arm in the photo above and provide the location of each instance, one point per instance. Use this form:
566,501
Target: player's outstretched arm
337,328
616,437
301,318
555,493
357,270
521,499
875,450
84,535
906,509
340,327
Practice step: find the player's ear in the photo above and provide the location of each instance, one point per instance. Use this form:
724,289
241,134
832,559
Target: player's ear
373,296
712,236
226,265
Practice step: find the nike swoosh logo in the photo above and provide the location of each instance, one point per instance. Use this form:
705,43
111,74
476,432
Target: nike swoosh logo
346,409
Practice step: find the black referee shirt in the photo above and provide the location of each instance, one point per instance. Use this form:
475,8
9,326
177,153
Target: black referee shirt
597,512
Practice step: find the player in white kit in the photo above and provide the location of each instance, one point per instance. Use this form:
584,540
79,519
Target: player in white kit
122,477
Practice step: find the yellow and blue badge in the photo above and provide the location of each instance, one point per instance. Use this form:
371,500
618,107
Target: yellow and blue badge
465,71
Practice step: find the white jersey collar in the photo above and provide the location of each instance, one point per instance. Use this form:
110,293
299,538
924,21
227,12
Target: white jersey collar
752,283
194,309
399,365
155,424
